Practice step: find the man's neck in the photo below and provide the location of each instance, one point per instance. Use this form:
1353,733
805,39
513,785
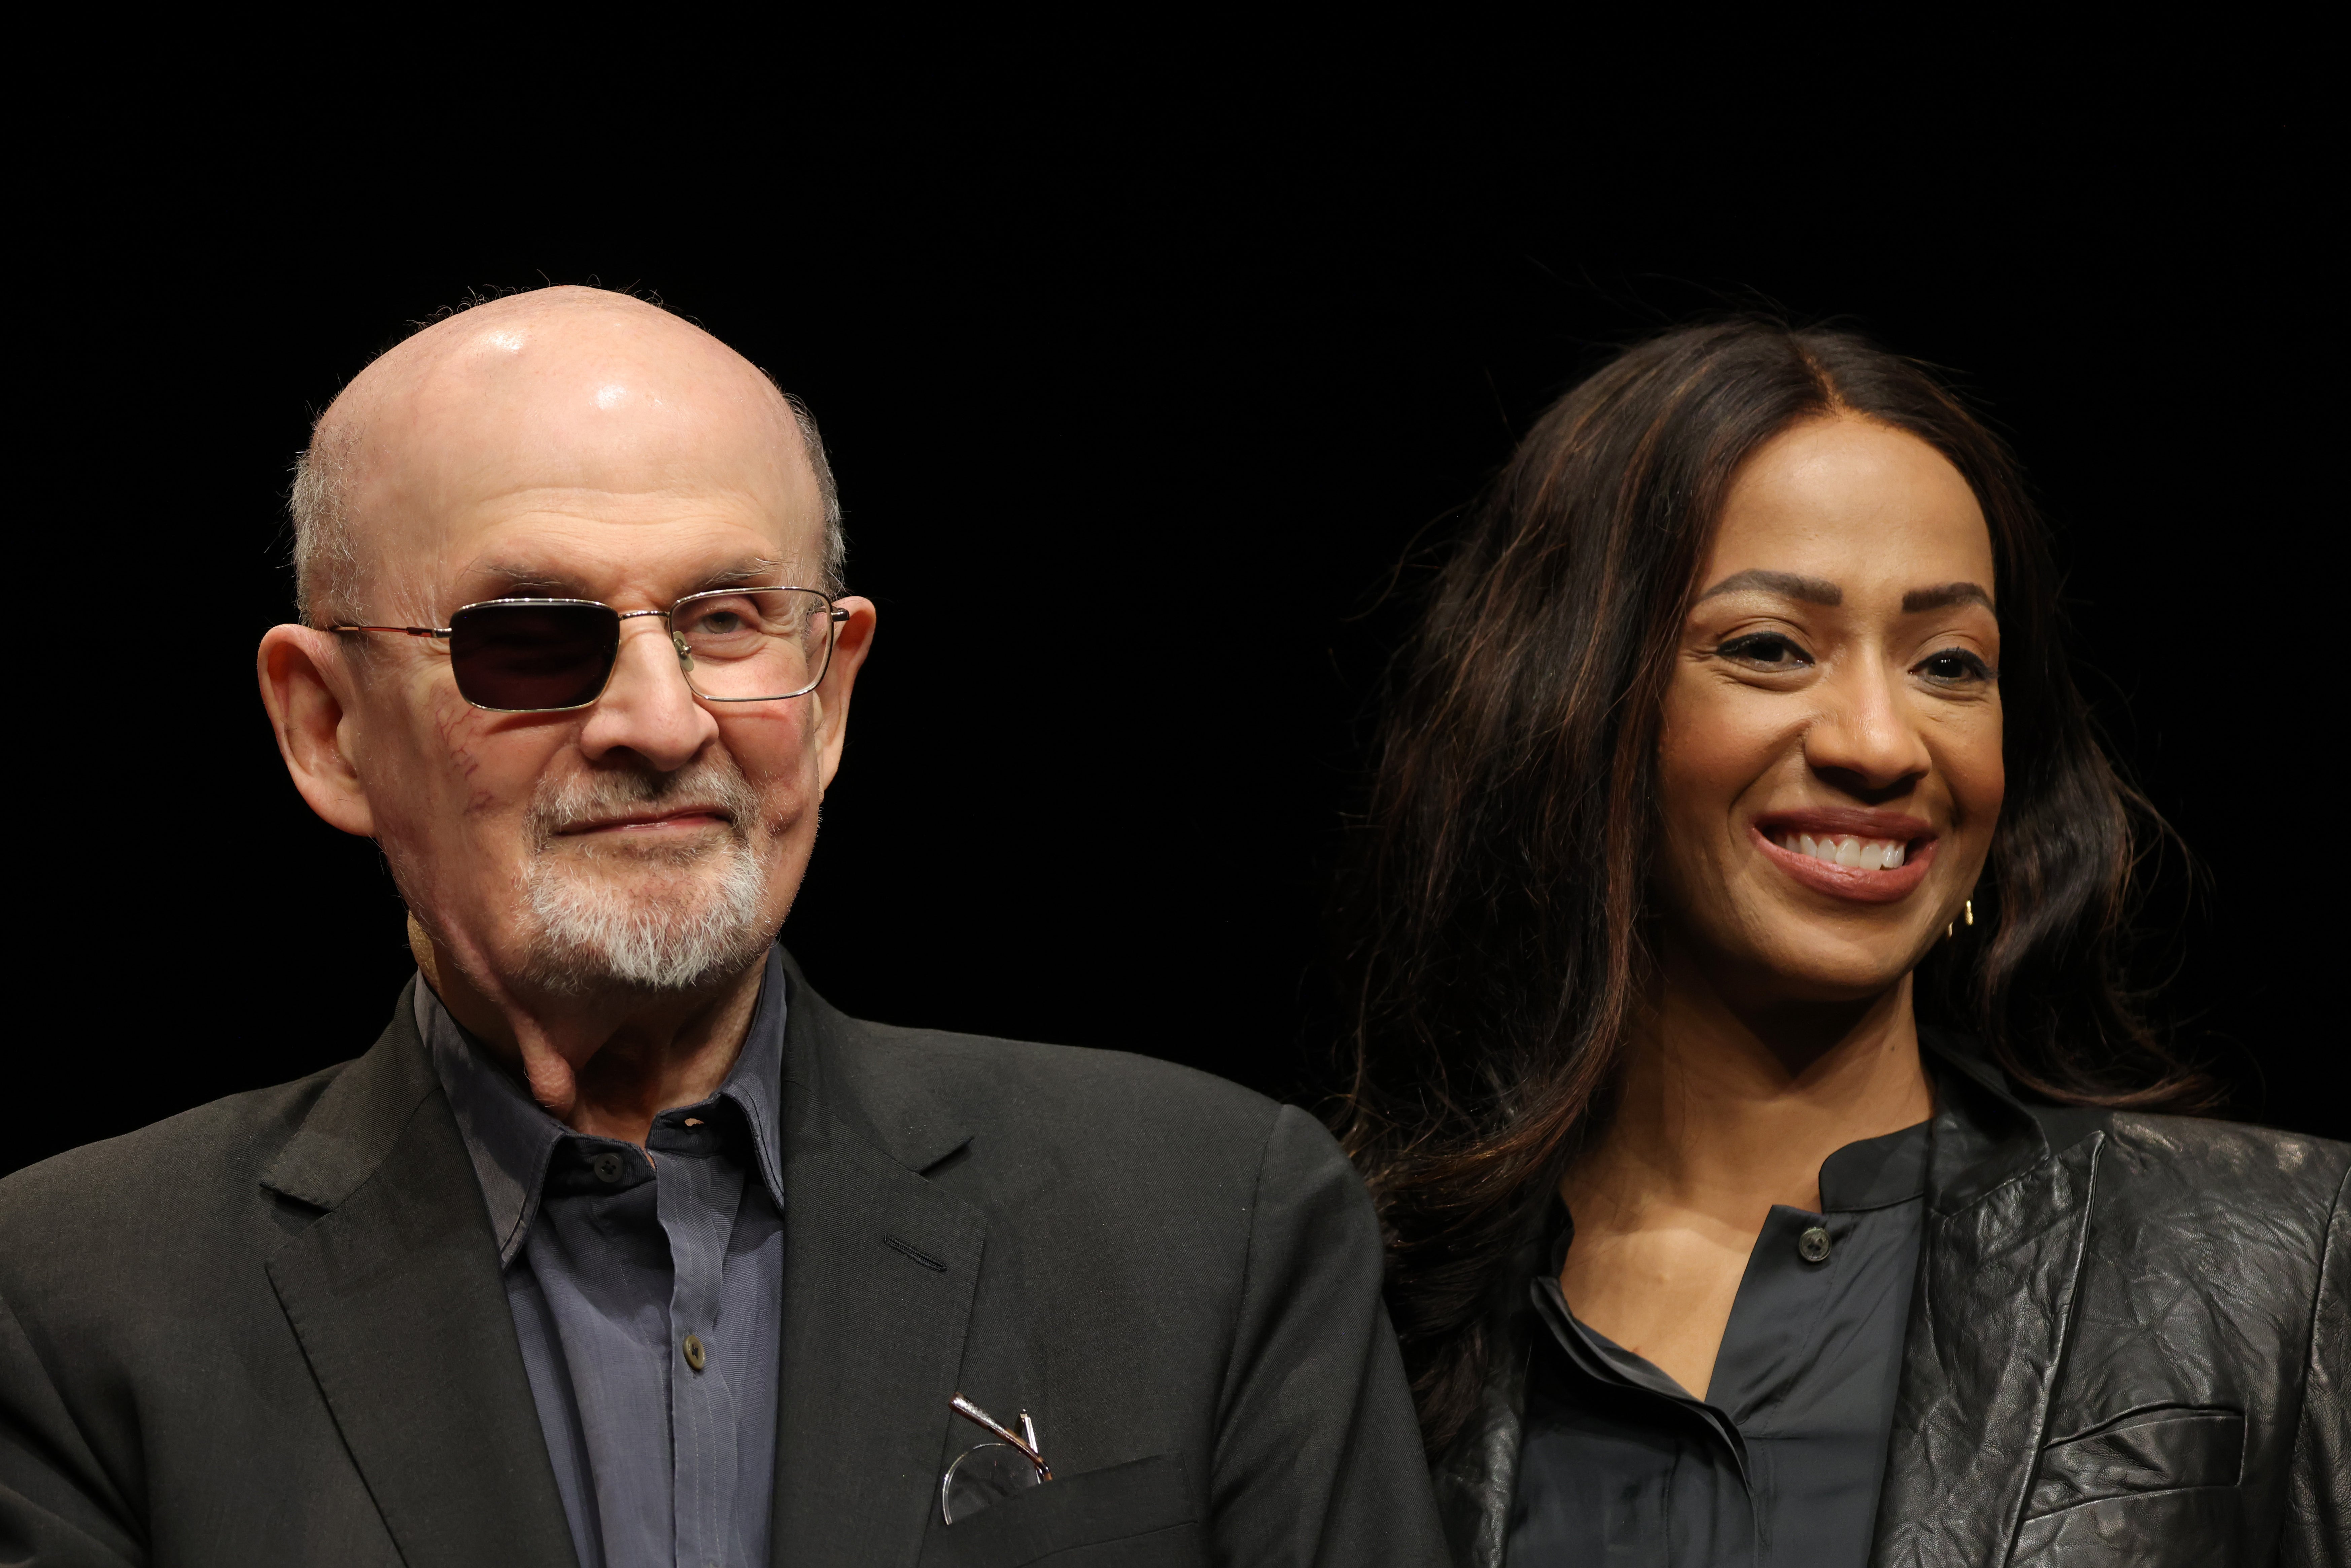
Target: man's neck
1725,1111
601,1065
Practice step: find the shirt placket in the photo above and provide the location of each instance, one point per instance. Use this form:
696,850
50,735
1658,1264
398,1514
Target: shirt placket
697,1195
1768,1342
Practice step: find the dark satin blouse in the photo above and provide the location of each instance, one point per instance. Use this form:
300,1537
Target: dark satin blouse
1780,1462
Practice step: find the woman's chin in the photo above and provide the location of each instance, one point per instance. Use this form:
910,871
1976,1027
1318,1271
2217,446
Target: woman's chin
1829,968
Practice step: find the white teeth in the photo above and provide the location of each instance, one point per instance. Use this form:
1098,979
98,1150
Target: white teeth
1859,854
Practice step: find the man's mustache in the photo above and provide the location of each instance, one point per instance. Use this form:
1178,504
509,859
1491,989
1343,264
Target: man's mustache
712,782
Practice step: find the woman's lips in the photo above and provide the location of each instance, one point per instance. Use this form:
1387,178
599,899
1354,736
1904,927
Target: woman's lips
1868,837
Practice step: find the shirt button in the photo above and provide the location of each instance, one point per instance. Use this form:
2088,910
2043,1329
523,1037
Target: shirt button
607,1167
695,1354
1813,1246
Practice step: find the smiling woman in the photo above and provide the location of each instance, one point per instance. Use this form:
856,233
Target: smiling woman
1770,1148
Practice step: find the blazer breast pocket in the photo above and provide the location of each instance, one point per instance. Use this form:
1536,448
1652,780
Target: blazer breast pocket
1136,1515
2155,1485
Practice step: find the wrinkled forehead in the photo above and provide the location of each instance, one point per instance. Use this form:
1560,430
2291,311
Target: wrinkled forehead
603,440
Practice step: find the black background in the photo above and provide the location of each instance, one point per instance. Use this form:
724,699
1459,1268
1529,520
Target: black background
1191,355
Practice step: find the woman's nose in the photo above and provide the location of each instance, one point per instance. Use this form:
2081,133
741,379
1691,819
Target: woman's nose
1866,732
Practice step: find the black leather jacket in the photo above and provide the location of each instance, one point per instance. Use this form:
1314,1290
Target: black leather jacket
2130,1343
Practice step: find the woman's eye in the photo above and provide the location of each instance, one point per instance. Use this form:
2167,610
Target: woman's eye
1765,650
1954,666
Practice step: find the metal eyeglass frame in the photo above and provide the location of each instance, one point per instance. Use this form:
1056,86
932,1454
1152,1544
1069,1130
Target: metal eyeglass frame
833,614
1023,1442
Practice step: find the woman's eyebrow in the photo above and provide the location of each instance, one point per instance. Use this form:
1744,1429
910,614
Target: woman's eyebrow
1812,590
1944,597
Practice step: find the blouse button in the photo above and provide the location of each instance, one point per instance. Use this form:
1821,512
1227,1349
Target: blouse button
694,1356
1813,1246
607,1167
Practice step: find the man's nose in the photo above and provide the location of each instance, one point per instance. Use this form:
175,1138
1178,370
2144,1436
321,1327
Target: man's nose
647,707
1867,733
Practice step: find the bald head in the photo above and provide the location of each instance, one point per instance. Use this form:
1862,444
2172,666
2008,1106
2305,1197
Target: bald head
564,402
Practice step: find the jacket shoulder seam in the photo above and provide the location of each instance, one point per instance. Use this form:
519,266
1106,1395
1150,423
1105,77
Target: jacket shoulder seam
1248,1275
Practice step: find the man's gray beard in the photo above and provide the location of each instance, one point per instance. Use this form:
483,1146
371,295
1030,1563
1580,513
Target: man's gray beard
596,935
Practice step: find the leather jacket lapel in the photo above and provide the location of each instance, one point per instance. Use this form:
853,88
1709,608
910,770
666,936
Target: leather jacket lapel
880,1266
1989,1328
1479,1474
395,1294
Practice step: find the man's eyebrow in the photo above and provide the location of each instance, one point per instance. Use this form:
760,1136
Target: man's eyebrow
504,581
749,570
500,580
1944,597
1812,590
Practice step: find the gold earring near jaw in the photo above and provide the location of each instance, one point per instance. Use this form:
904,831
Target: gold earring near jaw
1953,929
1970,905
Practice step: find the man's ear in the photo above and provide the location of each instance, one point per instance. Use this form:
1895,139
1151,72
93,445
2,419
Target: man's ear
304,684
852,639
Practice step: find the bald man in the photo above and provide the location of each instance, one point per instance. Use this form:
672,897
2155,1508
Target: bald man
620,1247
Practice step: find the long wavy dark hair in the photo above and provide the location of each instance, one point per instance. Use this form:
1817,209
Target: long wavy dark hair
1493,921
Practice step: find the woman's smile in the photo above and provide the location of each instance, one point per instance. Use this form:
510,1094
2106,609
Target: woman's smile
1869,856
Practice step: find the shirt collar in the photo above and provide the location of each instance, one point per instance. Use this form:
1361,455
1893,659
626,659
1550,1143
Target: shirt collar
509,1135
1870,1173
1876,1172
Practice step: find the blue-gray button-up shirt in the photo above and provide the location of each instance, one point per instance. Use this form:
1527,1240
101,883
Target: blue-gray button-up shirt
624,1268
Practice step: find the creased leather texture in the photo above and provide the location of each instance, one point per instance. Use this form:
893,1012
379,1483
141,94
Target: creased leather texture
2176,1526
2147,1450
2128,1344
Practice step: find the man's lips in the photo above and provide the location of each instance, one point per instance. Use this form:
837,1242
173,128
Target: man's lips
1848,851
673,817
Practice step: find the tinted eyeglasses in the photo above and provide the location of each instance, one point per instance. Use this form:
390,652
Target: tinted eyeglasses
544,656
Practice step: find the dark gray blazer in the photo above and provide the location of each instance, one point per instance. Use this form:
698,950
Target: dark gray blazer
271,1331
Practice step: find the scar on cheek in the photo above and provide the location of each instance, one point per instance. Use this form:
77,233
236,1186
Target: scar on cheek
479,798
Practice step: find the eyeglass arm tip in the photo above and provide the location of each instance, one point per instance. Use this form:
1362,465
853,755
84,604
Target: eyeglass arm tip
1028,1447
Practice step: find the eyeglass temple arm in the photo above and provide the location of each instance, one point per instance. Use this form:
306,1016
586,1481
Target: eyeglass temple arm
834,614
973,1413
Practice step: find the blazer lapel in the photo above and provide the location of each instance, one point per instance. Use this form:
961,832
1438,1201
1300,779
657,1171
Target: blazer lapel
880,1266
395,1294
1998,1280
